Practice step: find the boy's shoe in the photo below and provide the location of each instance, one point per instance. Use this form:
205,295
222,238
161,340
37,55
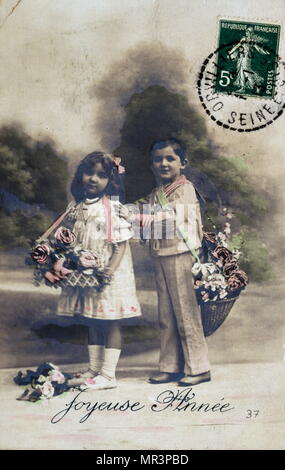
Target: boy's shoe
80,377
190,380
165,377
100,383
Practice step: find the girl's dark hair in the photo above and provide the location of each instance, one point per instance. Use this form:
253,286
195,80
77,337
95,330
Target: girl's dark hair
174,143
86,165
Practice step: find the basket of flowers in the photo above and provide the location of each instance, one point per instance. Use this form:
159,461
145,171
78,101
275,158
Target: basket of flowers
218,280
60,261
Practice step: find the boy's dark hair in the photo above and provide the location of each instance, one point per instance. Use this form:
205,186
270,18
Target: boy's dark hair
177,146
87,164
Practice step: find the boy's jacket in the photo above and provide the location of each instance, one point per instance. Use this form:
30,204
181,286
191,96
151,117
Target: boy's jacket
185,215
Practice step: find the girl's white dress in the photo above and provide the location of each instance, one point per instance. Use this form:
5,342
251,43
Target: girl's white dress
118,300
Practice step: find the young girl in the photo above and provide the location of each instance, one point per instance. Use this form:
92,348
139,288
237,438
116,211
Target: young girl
98,227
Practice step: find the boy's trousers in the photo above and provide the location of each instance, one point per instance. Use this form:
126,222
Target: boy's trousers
183,347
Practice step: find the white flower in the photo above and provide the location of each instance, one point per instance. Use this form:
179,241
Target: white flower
211,267
223,294
217,281
196,269
88,272
236,254
221,236
227,229
42,379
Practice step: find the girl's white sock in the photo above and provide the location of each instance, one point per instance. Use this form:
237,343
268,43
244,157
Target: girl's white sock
111,357
96,356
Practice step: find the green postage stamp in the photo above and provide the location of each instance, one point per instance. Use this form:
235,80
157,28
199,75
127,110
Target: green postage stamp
247,58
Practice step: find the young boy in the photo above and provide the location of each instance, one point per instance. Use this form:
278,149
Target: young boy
183,348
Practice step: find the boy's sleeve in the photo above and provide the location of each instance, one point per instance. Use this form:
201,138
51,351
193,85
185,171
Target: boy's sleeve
189,221
137,212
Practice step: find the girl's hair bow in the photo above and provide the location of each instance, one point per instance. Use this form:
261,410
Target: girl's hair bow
117,161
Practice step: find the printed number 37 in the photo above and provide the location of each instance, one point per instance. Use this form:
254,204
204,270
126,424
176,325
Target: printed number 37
225,78
252,413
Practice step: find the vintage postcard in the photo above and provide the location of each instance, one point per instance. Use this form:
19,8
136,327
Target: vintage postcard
142,227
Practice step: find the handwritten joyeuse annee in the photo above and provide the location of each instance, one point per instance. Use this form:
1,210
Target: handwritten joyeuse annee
168,399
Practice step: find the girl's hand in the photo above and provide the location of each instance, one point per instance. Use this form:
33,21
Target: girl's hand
105,279
59,270
109,272
51,277
108,275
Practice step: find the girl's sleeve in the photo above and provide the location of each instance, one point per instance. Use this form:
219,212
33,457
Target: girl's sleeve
121,228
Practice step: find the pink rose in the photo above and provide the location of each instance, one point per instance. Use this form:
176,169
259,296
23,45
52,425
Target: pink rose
64,235
88,260
40,253
56,376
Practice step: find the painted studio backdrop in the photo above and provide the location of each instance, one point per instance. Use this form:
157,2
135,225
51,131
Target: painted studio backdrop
78,76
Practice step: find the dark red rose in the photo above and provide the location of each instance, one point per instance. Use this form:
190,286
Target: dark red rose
229,267
237,279
222,253
40,254
210,237
64,235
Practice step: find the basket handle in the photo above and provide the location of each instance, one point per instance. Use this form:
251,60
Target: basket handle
54,225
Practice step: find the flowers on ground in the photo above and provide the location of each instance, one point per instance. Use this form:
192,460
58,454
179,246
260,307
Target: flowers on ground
46,382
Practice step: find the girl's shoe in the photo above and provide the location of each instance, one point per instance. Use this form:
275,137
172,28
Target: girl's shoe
100,383
80,377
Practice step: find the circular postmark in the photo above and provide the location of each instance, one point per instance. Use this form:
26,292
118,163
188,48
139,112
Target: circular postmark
241,86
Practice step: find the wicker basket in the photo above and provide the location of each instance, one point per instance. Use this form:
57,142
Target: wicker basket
214,313
79,279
